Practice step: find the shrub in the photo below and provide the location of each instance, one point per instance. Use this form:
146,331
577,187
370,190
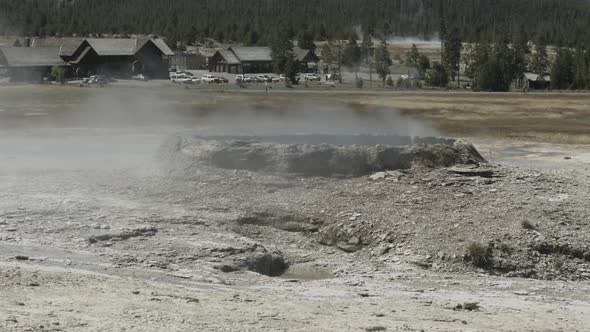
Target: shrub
389,82
58,74
360,83
528,225
505,248
438,76
480,255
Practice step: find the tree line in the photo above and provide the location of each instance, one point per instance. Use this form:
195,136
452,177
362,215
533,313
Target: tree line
490,65
255,22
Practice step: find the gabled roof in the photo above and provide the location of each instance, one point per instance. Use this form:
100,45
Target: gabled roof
229,56
159,42
535,77
67,45
252,53
113,46
30,56
300,53
125,46
81,56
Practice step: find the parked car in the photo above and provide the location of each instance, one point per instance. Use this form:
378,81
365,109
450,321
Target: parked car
97,80
222,79
94,77
245,79
140,77
208,78
311,77
332,77
181,78
282,77
275,79
263,78
196,80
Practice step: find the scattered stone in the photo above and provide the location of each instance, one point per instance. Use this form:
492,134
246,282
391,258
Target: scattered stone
522,293
375,328
348,247
145,231
21,258
472,171
468,306
378,176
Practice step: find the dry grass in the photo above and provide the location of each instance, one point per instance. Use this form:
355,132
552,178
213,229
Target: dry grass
537,117
550,118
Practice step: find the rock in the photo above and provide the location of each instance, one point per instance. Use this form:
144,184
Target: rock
127,234
522,293
375,328
354,241
378,176
471,171
348,247
471,306
21,258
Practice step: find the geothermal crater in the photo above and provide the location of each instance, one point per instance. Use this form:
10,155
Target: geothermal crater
317,154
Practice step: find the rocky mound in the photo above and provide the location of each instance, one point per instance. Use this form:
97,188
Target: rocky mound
275,155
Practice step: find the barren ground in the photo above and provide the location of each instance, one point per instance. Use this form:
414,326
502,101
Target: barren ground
95,236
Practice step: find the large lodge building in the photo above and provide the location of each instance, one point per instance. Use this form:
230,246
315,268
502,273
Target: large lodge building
120,57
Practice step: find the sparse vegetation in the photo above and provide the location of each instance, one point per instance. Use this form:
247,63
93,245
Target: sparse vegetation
58,74
479,254
505,248
389,82
528,225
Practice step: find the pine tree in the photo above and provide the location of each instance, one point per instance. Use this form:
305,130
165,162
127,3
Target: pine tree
382,60
453,47
351,56
306,41
423,64
582,68
438,76
282,51
540,59
366,47
563,71
328,55
522,53
252,38
412,57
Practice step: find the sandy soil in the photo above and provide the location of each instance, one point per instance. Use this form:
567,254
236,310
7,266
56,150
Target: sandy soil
95,237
